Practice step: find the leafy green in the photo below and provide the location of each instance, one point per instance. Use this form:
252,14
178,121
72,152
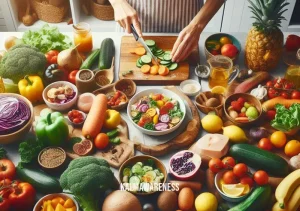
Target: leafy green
47,38
150,162
286,119
152,103
149,126
137,117
30,149
115,140
3,153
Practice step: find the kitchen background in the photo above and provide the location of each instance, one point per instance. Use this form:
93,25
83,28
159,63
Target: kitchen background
234,16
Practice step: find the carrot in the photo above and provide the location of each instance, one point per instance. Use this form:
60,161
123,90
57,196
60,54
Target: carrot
154,70
132,50
140,51
270,104
163,70
195,186
252,82
145,69
95,118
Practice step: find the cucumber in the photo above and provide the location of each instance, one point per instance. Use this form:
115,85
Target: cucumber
40,180
137,169
138,63
258,200
161,57
113,133
107,52
168,52
165,62
151,174
127,172
150,43
147,168
167,57
146,59
134,179
92,58
260,159
173,66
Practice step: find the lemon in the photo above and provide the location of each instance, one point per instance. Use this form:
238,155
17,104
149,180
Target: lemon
212,123
235,134
218,90
233,190
206,202
246,190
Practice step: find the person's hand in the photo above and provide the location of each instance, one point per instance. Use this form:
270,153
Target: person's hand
187,40
125,15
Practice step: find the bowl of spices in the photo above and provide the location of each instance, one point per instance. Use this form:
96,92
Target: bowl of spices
127,86
52,158
103,78
85,81
190,87
202,71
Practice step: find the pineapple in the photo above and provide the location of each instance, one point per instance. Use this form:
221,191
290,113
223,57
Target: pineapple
265,40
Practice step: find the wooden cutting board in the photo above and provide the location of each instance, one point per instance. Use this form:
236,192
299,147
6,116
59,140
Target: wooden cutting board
128,62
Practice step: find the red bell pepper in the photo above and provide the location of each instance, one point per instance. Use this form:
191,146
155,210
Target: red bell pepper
22,196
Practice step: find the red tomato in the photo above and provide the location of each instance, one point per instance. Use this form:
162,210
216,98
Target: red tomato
247,180
271,114
261,177
169,105
228,162
7,169
278,85
215,165
272,93
229,178
53,53
292,42
265,144
53,60
164,110
215,52
295,94
23,196
48,58
288,85
240,170
285,95
157,97
229,50
72,76
270,84
4,204
101,141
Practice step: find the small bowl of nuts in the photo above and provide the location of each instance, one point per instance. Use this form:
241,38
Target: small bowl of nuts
60,95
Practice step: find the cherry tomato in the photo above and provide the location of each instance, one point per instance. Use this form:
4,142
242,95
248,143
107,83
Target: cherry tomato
215,165
288,85
157,97
247,180
272,93
229,178
169,105
285,95
270,84
101,141
77,120
215,52
271,114
72,76
278,85
240,170
228,162
53,53
7,169
265,144
53,60
261,177
295,94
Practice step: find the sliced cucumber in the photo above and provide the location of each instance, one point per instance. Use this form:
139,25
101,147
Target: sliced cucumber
167,57
140,163
173,66
137,169
157,172
127,172
161,57
159,54
167,52
165,62
147,168
158,51
150,43
134,180
146,59
138,64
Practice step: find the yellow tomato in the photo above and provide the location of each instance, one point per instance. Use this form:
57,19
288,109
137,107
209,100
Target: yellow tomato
225,40
155,119
278,139
160,103
213,45
151,112
292,148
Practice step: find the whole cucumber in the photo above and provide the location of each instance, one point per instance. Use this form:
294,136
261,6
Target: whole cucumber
90,60
107,52
39,179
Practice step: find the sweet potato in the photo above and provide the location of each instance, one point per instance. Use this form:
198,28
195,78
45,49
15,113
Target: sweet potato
145,69
140,51
270,104
154,70
163,70
252,82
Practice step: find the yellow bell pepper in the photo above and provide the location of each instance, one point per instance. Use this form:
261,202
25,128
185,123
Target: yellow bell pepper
32,88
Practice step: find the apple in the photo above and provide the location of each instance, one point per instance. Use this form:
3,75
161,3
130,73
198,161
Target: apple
229,50
112,119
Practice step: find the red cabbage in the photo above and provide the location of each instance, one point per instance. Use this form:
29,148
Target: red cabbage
14,114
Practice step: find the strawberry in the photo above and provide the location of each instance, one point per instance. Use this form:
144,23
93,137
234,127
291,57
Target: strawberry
241,101
236,106
242,114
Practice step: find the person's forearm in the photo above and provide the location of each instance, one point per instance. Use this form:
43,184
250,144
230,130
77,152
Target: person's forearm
209,9
112,2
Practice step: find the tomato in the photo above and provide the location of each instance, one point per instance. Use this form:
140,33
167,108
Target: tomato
23,196
4,203
215,165
101,141
240,170
53,53
271,114
225,40
270,84
7,169
229,50
272,93
247,180
169,105
51,57
285,95
229,178
228,162
215,52
157,97
292,42
292,148
265,144
53,60
48,58
288,85
72,76
295,94
278,139
278,85
261,177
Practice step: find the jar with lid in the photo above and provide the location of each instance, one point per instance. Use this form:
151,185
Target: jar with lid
83,37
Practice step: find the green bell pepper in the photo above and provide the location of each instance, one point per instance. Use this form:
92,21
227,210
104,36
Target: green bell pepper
52,129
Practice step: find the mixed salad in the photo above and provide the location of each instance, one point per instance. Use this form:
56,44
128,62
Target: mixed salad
156,112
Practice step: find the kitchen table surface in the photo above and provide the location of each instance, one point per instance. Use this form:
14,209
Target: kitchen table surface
12,149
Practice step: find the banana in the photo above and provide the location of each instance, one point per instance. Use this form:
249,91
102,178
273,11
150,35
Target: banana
287,187
292,205
277,208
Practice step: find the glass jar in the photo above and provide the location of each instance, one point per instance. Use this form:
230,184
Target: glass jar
2,87
83,37
293,74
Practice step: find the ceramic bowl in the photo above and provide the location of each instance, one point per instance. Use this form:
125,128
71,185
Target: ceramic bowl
127,86
147,92
250,99
77,124
38,205
18,135
143,158
203,97
118,107
190,81
58,167
217,37
238,199
57,106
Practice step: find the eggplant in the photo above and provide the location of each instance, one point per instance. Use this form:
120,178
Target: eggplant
258,133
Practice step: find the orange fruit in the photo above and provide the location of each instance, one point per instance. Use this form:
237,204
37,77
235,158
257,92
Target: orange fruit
292,148
101,141
278,139
225,40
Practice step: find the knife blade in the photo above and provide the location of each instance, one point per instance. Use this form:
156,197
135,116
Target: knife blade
141,40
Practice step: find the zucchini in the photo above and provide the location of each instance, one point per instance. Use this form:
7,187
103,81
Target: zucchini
258,200
92,58
260,159
39,179
107,52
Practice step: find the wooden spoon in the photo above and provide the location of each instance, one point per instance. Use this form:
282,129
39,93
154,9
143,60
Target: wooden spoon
106,76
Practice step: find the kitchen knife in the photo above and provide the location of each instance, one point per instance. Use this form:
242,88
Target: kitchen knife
141,40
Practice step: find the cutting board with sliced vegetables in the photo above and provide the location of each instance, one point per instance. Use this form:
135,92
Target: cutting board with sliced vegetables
136,64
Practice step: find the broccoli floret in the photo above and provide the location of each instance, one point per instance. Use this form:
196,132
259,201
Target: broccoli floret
22,60
86,178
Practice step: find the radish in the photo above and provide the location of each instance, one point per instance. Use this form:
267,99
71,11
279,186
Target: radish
164,118
161,126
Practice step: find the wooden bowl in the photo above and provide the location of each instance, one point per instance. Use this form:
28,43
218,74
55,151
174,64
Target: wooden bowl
54,168
143,158
118,107
127,86
201,99
250,99
19,134
39,204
